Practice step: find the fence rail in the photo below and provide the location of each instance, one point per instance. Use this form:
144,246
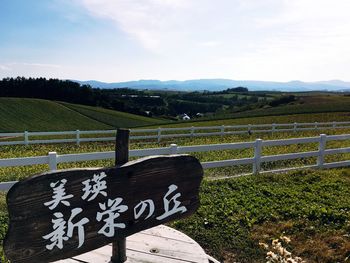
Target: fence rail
163,133
53,159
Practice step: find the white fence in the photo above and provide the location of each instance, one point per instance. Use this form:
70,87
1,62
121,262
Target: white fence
52,159
163,133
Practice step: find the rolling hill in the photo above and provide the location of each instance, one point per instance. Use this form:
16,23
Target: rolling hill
20,114
111,117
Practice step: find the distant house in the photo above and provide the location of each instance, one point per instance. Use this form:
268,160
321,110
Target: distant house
184,117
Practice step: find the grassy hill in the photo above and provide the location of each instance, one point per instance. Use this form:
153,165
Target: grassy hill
304,103
308,107
111,117
312,103
290,118
19,114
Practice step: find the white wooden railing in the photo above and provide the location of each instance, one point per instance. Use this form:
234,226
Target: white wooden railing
52,159
164,133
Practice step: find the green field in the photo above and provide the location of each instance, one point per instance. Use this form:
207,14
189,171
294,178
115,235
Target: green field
305,103
312,103
287,118
20,114
311,207
111,117
17,114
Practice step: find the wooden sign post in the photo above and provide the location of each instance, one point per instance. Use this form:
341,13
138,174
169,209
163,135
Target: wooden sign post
121,157
65,213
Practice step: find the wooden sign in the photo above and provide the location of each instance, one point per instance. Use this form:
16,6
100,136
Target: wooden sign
61,214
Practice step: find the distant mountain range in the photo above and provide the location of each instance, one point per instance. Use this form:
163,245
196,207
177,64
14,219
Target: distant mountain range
221,84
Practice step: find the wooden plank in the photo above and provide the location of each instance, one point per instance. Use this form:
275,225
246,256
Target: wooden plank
289,156
291,141
168,243
337,151
157,245
4,186
151,178
336,164
215,147
224,163
24,161
71,260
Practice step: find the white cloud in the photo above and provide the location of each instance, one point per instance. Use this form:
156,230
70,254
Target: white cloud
242,39
26,64
210,43
30,69
149,21
5,68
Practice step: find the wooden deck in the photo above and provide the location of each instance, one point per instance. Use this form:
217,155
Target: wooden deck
157,245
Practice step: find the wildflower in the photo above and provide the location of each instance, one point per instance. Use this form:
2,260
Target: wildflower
280,250
274,242
286,253
263,245
270,253
286,239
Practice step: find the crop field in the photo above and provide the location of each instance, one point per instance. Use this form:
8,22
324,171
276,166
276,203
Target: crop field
305,104
20,114
111,117
290,118
312,207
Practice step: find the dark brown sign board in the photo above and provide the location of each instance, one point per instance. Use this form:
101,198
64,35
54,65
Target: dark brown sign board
61,214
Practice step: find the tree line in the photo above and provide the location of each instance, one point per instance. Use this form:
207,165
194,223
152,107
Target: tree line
64,90
142,102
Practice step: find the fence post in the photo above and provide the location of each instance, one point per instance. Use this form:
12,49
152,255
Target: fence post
316,125
192,131
78,137
159,134
257,156
321,149
52,161
222,130
295,126
173,148
273,127
26,137
249,129
334,124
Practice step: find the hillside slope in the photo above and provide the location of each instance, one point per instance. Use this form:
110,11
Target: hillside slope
20,114
111,117
304,104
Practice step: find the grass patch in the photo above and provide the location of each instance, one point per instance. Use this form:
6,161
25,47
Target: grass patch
312,207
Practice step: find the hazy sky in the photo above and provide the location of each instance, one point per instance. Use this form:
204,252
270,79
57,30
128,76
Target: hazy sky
119,40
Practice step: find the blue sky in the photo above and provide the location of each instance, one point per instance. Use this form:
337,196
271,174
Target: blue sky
119,40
